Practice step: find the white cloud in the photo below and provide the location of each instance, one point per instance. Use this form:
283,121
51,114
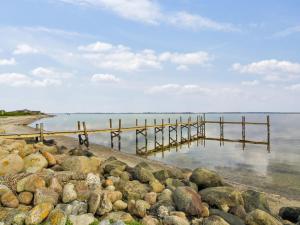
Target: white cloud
197,22
193,58
119,57
178,89
146,11
294,87
250,83
22,80
272,70
104,78
287,32
25,49
96,47
43,72
7,62
182,68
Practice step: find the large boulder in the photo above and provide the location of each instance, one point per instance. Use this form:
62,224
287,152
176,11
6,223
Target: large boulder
214,220
255,200
114,164
188,201
31,183
134,189
143,174
290,213
229,218
69,193
138,208
206,178
222,197
73,208
38,213
9,200
45,195
11,164
57,217
175,220
81,164
260,217
35,163
84,219
119,215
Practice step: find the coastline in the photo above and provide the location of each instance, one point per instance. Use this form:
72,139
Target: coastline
19,124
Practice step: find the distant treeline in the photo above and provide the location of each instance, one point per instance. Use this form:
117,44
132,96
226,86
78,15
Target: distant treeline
24,112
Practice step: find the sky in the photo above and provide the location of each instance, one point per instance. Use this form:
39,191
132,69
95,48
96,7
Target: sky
150,55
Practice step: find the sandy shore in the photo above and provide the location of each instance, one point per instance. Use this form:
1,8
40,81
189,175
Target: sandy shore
20,125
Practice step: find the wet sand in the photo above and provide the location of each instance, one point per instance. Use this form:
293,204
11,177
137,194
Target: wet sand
19,125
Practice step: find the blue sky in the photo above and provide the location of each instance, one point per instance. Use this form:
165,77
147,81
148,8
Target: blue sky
144,55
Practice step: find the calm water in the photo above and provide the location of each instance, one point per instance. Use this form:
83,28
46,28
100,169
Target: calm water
277,171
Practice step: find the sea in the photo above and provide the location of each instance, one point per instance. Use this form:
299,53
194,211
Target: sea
275,170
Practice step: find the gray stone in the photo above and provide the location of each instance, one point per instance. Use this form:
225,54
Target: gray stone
206,178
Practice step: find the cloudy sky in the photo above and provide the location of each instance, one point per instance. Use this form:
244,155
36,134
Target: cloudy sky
150,55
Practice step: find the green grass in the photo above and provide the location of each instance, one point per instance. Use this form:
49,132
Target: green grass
133,223
69,222
15,114
96,222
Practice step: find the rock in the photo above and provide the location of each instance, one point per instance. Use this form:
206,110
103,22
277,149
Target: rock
162,211
172,184
114,164
82,190
142,174
38,213
108,182
57,217
188,201
35,163
119,205
134,190
50,158
25,197
44,148
45,195
84,219
94,202
206,178
192,185
229,218
149,220
178,213
93,180
8,199
222,197
110,188
55,185
260,217
69,193
150,198
114,195
290,213
138,208
238,211
156,186
75,208
11,164
255,200
175,220
27,150
19,219
81,164
162,175
105,205
214,220
32,183
120,215
3,189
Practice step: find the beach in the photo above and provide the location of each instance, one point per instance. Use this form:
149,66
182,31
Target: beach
20,124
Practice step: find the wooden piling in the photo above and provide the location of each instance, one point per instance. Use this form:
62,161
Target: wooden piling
86,137
41,132
268,133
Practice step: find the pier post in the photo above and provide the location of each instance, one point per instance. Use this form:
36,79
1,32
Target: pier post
86,140
243,131
268,133
119,134
155,138
221,130
136,136
41,132
176,131
37,128
79,135
146,136
169,128
111,134
180,121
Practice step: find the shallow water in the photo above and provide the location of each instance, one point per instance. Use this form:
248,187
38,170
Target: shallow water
276,171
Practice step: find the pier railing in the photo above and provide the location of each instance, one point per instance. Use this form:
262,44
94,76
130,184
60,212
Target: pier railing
179,133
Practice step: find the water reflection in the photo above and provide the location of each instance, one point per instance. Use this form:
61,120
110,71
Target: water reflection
277,171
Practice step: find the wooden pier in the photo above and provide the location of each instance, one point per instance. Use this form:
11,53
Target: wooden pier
178,133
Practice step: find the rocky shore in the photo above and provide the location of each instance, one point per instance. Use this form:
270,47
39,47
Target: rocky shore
47,183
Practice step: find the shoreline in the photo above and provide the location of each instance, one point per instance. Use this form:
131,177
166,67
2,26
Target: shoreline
19,124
